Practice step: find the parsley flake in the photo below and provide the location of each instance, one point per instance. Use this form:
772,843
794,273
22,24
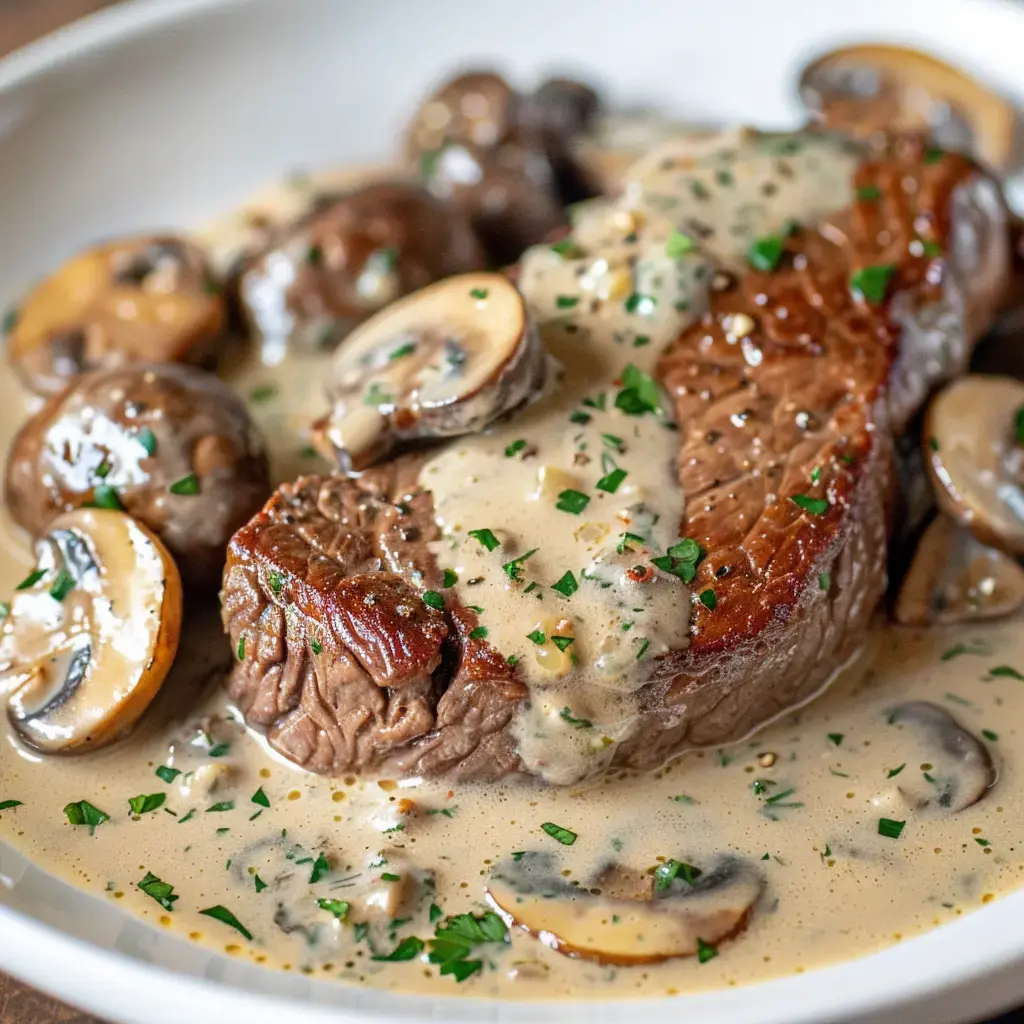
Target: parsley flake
558,833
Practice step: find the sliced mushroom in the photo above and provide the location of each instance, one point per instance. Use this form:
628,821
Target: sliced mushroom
955,578
445,361
953,768
91,633
873,89
974,452
640,926
145,299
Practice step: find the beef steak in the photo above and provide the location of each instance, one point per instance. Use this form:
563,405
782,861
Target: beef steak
788,395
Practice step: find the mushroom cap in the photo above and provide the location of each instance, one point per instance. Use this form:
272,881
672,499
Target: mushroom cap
642,927
141,299
975,460
92,634
874,88
171,444
955,578
444,361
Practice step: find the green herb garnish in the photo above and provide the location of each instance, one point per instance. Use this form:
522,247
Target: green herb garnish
455,939
514,448
610,483
62,585
562,835
566,301
514,569
573,502
433,599
872,283
339,908
681,560
261,798
566,715
479,633
639,393
563,643
679,244
708,599
486,538
411,947
869,192
225,916
144,803
162,892
567,585
705,951
765,253
186,485
6,805
815,506
81,812
321,867
889,828
537,637
665,874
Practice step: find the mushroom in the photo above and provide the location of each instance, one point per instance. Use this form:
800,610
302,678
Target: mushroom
445,361
871,89
956,767
635,919
145,299
91,634
481,149
170,444
974,452
349,257
955,578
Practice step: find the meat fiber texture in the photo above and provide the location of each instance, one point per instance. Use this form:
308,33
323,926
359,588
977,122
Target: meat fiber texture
793,385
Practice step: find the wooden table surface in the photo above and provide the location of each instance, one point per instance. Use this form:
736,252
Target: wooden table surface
20,22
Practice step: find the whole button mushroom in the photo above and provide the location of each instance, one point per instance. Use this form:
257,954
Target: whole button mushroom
474,147
170,444
91,634
445,361
349,258
147,299
974,452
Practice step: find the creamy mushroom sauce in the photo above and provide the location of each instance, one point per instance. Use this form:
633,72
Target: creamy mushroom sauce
838,808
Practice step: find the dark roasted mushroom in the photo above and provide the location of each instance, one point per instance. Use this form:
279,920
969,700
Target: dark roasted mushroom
445,361
147,299
349,258
643,920
170,444
957,767
91,633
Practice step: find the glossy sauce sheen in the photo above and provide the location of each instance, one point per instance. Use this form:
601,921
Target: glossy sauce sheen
799,805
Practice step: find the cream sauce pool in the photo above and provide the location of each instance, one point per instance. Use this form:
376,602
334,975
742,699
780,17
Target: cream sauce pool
845,810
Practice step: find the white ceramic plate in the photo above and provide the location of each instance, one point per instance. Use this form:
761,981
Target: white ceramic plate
164,112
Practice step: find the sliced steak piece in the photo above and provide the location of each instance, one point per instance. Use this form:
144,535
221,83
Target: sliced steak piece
338,653
791,387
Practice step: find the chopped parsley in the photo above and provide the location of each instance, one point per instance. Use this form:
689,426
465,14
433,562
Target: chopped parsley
563,643
869,192
889,828
459,936
479,633
835,738
567,585
479,293
222,914
537,637
566,715
681,560
815,506
580,417
147,439
872,283
433,599
1000,671
81,812
402,351
679,244
162,892
610,483
625,539
643,648
705,951
321,867
314,256
566,301
933,155
6,805
316,646
514,448
276,581
105,496
990,735
561,835
514,569
451,577
565,247
62,585
220,807
486,538
186,485
893,772
639,393
613,442
411,947
263,393
375,395
644,305
31,579
339,908
824,580
665,874
573,502
765,253
259,883
240,650
708,599
144,803
260,798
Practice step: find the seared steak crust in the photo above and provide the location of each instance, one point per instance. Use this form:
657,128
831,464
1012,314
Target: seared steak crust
338,654
791,387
